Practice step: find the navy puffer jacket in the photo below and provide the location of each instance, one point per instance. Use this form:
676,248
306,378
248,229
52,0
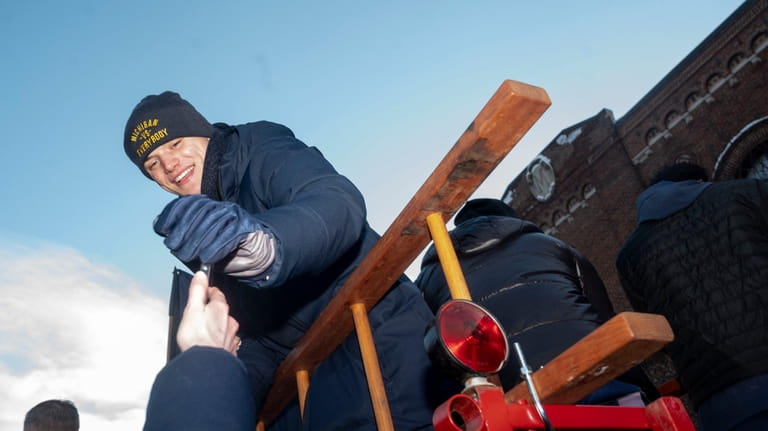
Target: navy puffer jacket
535,284
704,265
318,218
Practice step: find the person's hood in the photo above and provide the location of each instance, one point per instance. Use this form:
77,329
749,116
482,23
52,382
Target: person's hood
665,198
479,234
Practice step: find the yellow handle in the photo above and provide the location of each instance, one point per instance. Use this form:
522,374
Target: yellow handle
302,383
381,410
447,255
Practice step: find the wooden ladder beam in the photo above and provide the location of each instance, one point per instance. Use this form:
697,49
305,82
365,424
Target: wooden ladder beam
607,352
499,126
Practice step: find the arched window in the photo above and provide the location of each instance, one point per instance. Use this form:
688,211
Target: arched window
755,164
736,62
693,100
746,154
672,118
652,135
574,204
558,217
587,191
714,82
759,42
685,158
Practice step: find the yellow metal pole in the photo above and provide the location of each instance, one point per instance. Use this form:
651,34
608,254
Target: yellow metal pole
302,382
447,255
372,369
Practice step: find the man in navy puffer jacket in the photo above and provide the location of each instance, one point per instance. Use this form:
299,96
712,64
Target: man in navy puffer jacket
284,230
699,256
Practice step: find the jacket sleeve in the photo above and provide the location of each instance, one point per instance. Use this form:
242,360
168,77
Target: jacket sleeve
202,389
431,281
315,214
593,287
627,278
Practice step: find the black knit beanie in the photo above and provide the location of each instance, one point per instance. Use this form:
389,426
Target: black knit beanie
158,119
483,207
681,171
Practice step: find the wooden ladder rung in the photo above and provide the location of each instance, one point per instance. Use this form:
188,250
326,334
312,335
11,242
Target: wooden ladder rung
619,344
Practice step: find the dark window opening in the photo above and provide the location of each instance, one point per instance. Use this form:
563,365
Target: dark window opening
755,164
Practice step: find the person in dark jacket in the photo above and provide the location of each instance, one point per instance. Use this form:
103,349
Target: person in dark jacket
284,231
205,387
699,256
545,293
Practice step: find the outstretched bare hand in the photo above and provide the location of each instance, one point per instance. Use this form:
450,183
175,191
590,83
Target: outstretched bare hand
206,320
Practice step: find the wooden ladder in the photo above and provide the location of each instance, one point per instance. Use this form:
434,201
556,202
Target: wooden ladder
499,126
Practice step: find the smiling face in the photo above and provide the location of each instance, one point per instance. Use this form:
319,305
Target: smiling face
177,165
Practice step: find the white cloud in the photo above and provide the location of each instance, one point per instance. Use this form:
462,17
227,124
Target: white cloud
74,329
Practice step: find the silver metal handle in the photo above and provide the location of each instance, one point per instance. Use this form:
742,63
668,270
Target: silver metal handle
527,374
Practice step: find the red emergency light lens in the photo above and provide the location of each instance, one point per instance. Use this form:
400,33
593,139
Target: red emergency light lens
472,336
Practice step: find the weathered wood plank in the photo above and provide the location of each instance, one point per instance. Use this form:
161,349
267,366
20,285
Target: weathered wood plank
499,126
610,350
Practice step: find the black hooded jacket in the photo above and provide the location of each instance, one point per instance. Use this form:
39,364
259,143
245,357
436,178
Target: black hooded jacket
699,256
535,284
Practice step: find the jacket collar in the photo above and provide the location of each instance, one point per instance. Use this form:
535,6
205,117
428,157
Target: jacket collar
665,198
217,145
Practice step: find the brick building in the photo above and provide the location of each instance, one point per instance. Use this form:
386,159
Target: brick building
712,109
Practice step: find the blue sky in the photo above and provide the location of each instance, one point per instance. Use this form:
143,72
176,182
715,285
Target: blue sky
383,89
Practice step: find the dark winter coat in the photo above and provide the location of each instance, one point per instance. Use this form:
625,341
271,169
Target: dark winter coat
202,389
533,283
318,218
699,256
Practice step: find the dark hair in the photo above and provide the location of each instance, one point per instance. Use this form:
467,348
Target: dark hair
483,207
680,172
52,415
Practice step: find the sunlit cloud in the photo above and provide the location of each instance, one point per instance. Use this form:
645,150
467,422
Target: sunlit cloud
74,329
